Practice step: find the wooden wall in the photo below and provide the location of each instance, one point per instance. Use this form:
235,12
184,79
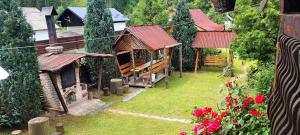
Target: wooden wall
69,43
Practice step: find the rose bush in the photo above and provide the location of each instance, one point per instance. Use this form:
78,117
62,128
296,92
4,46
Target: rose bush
239,114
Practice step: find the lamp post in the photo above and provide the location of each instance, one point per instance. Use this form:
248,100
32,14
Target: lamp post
3,74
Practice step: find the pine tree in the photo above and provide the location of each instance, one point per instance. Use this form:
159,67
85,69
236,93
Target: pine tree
98,35
150,12
184,32
20,93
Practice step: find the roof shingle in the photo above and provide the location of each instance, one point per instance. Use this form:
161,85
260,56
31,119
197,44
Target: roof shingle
215,39
202,21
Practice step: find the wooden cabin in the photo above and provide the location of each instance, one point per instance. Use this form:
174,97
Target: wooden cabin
73,19
212,39
143,54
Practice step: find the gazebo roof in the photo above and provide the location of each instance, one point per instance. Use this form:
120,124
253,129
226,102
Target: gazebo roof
207,39
152,37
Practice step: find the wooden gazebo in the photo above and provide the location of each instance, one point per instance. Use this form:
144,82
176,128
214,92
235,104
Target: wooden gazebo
143,54
213,39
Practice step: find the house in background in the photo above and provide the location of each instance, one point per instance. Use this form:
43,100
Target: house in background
73,19
37,21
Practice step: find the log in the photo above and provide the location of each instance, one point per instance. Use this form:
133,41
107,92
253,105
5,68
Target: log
115,84
126,88
60,128
106,91
38,126
120,91
16,132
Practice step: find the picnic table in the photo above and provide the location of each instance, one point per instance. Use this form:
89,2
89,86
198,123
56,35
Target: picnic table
144,66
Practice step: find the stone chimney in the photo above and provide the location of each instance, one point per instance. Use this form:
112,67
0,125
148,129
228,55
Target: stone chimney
49,13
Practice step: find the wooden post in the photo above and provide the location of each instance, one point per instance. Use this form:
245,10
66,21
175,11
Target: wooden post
180,59
60,97
197,60
231,55
133,65
100,73
150,70
200,53
166,67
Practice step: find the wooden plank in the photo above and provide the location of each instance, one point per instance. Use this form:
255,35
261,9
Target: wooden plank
197,60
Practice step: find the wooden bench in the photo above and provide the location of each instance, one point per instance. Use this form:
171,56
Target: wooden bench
125,70
215,61
154,69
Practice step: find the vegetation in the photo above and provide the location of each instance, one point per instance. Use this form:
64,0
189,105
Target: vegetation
150,12
20,93
99,24
184,32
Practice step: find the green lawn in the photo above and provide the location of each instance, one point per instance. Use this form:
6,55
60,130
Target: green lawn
105,123
194,89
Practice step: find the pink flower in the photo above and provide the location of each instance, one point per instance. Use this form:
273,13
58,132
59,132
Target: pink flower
260,99
205,122
183,133
198,113
213,126
197,128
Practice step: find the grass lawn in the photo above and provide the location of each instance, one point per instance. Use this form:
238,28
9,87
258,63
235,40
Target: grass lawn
194,89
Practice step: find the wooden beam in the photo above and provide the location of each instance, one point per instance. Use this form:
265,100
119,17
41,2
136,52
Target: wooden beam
60,97
197,60
150,71
166,67
174,45
180,59
133,65
100,73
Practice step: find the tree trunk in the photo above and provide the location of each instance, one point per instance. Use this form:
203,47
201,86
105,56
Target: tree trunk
39,126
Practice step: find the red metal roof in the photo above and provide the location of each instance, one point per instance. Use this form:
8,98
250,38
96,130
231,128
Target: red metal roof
152,36
201,20
56,62
210,39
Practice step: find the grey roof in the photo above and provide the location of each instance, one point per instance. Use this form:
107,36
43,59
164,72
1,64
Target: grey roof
35,18
116,15
49,11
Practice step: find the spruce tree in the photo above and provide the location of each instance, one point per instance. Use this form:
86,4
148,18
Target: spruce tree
184,32
98,35
150,12
20,93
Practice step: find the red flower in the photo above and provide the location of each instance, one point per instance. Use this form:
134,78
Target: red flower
234,122
246,104
254,113
235,101
205,122
219,119
260,99
214,115
249,99
197,128
183,133
198,112
207,110
228,84
228,98
236,108
213,126
229,105
224,114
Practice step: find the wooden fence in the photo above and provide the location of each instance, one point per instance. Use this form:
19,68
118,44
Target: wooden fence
69,43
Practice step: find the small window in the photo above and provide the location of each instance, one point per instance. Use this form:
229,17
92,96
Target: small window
68,76
291,6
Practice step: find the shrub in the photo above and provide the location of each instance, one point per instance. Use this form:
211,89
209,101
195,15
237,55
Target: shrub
239,114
